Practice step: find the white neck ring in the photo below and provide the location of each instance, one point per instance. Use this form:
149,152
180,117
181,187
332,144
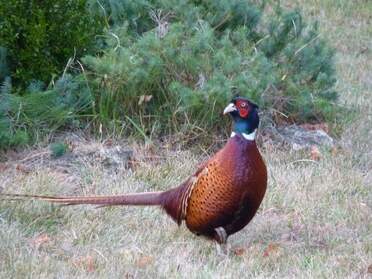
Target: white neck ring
249,137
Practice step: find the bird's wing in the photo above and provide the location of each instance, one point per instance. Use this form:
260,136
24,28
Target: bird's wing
175,200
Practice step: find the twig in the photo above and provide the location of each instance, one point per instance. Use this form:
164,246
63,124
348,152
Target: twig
105,14
281,113
305,45
40,154
226,18
304,160
100,253
117,39
69,62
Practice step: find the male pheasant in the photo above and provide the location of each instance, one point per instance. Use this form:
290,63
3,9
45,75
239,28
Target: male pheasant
220,198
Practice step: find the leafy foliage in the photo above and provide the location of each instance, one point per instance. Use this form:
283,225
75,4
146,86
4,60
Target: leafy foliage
192,56
27,117
58,149
163,66
40,36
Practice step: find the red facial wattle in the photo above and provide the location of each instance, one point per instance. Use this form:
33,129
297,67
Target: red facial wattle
243,109
243,112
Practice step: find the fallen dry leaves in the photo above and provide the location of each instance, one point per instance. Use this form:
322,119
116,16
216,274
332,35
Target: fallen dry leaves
271,249
144,99
239,251
144,261
315,153
3,167
22,168
40,240
87,263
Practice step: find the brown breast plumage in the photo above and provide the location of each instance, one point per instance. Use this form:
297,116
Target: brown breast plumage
229,190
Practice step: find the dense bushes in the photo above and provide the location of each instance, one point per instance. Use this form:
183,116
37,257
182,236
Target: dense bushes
193,55
25,118
170,66
39,37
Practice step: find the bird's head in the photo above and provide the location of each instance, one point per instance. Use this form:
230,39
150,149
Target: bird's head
245,116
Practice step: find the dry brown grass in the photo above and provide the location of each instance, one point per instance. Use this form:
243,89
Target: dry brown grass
315,222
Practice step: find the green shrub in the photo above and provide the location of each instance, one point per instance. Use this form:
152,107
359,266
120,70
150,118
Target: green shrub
164,66
26,118
209,50
58,149
40,36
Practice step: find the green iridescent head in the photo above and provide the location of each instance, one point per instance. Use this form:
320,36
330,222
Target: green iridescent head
244,114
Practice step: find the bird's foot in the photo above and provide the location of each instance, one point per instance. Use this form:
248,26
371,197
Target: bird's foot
223,249
221,241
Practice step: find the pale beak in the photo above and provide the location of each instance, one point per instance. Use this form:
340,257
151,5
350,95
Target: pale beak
231,107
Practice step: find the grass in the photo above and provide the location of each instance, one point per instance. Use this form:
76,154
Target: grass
315,221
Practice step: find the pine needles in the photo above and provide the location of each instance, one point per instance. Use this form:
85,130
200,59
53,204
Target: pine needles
190,57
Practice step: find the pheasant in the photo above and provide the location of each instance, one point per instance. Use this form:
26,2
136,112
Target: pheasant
220,198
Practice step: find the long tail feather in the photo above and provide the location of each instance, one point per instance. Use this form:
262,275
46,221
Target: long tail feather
151,198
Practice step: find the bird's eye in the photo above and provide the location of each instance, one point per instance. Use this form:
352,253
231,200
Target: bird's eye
243,105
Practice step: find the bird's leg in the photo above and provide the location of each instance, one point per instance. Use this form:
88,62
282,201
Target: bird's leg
220,235
221,241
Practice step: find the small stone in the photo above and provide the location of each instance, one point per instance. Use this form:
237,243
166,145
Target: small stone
300,138
114,156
